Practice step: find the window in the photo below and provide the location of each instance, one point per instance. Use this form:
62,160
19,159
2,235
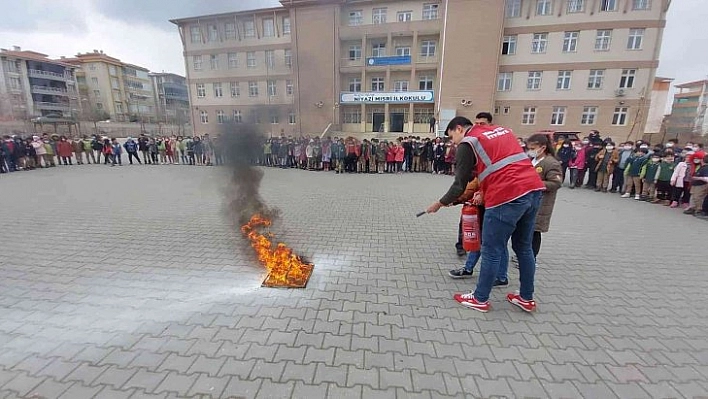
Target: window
288,54
213,33
504,80
603,39
608,5
356,18
99,105
289,87
575,6
378,50
97,93
529,116
570,42
214,61
400,85
564,80
233,60
15,83
237,116
112,69
620,116
355,84
512,9
235,89
220,116
119,108
627,78
249,29
403,50
509,45
354,52
404,16
253,89
378,15
197,62
377,84
544,7
270,58
230,30
286,25
94,81
274,117
114,83
292,118
425,83
597,76
534,80
196,34
204,117
427,48
352,116
539,43
558,116
641,4
251,59
430,11
589,116
218,93
268,27
272,88
636,35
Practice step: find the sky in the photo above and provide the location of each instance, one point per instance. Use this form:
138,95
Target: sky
138,31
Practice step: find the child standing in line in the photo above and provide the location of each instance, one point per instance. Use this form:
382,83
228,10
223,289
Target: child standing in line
400,154
663,179
606,159
576,164
117,152
649,174
107,152
680,184
699,186
632,174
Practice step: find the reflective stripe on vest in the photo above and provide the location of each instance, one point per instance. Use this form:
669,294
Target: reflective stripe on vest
490,167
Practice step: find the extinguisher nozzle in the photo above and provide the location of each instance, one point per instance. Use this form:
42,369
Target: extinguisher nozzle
419,214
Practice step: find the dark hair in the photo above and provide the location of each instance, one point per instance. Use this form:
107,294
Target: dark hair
542,139
458,121
484,115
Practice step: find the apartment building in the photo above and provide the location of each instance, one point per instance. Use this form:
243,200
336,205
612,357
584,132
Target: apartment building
688,111
33,85
123,91
390,65
658,109
171,98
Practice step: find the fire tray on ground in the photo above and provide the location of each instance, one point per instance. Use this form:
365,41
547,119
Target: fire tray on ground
292,280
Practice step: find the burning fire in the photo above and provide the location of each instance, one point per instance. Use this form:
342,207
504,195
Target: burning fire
285,269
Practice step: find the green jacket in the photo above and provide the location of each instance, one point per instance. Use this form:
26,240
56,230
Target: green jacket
87,145
666,170
50,150
650,171
161,146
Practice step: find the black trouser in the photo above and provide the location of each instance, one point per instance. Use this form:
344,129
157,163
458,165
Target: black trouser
66,160
131,155
592,176
705,205
663,190
536,243
145,156
153,156
617,179
564,169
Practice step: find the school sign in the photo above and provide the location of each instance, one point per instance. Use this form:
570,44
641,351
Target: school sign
406,97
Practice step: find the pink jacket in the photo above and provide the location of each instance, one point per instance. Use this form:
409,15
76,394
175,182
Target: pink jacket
579,161
679,175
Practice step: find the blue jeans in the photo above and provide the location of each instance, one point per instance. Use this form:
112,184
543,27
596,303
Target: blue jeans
473,257
515,220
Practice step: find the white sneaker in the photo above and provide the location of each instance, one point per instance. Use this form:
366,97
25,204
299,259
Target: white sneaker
627,195
636,197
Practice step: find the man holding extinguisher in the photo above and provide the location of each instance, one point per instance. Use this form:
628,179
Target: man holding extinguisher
511,193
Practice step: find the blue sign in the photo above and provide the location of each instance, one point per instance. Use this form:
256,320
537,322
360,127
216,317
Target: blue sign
382,61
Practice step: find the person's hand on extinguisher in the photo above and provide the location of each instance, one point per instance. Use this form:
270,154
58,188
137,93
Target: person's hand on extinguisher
434,207
477,199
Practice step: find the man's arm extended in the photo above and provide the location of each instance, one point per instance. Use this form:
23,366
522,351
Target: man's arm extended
464,173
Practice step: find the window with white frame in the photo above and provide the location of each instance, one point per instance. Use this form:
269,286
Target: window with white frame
272,88
403,51
286,26
292,117
509,45
603,39
274,118
213,33
404,16
230,30
558,116
563,82
589,116
268,27
528,117
220,116
627,78
378,15
641,5
512,9
249,29
356,17
289,87
504,80
214,61
15,84
354,52
197,62
400,85
94,81
253,89
575,6
427,48
608,5
288,58
235,89
539,43
352,115
544,7
218,92
204,117
377,84
425,83
233,60
196,34
251,59
430,11
355,84
378,50
596,78
570,42
636,37
237,116
97,93
270,58
619,118
534,80
201,90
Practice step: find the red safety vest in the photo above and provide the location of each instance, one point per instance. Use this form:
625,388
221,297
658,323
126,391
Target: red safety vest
504,171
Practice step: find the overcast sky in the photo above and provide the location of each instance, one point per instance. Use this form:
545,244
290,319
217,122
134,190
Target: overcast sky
138,31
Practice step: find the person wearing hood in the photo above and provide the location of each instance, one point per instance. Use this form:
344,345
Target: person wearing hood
131,148
566,153
64,150
97,146
606,159
40,152
78,148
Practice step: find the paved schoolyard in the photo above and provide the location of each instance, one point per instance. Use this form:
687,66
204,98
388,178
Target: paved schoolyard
130,282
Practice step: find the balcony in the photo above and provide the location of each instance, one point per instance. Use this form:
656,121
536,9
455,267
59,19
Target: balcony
36,73
56,91
357,32
52,106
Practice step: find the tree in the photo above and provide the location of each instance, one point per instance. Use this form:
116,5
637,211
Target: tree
95,115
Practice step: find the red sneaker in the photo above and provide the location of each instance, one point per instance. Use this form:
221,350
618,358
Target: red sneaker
468,300
515,299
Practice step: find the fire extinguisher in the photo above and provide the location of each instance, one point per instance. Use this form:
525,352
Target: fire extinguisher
471,239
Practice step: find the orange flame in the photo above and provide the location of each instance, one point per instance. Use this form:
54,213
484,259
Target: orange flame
285,269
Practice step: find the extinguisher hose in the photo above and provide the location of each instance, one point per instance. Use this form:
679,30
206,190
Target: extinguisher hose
419,214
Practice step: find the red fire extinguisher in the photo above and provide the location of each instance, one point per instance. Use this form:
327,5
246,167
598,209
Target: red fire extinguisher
471,239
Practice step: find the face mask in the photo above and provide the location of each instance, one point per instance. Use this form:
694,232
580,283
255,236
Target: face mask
586,142
578,148
628,147
532,153
669,159
566,145
669,145
610,148
643,146
696,161
655,159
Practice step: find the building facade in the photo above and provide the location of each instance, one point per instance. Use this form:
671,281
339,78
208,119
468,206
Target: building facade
360,66
658,110
171,98
32,85
688,111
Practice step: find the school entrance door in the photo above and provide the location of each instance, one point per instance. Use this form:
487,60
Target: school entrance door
379,119
397,122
